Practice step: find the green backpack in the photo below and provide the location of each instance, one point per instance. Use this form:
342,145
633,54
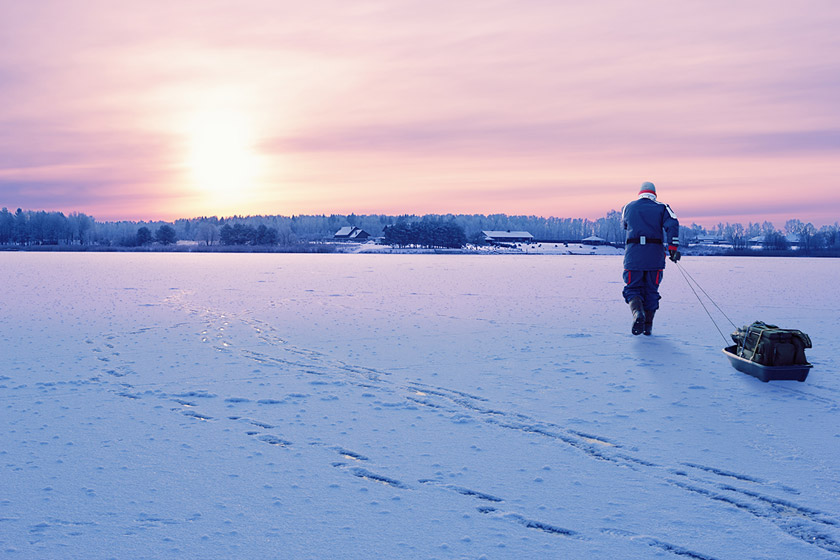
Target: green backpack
771,346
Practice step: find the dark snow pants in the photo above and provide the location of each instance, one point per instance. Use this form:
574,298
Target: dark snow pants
643,284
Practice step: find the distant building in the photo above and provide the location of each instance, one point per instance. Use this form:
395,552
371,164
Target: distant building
710,240
775,241
507,236
594,240
351,233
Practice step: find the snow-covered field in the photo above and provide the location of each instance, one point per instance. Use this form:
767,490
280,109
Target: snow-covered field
407,406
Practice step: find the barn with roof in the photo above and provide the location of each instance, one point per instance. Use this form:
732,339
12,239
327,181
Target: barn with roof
351,233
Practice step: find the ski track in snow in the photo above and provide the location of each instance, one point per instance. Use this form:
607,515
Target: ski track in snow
751,496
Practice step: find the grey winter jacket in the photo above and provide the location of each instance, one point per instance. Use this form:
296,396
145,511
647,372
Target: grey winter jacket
648,218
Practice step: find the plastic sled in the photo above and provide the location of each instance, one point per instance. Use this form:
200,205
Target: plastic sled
796,372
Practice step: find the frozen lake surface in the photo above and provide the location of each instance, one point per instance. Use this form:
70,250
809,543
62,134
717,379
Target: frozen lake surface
408,406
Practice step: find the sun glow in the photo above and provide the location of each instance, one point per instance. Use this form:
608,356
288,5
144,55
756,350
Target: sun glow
222,160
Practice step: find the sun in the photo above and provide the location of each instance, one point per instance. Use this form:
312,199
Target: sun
222,160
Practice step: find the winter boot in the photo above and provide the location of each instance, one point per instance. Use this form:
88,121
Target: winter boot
649,321
638,315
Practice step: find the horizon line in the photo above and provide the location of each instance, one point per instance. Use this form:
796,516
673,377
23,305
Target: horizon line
683,222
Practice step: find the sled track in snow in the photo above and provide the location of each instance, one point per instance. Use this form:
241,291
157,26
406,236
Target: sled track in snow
351,464
799,522
809,525
831,403
804,523
656,543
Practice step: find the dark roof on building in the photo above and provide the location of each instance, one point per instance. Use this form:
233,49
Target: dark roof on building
493,235
351,232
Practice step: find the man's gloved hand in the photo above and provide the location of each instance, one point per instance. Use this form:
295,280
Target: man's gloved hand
674,253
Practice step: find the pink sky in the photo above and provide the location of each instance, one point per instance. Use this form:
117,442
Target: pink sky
158,110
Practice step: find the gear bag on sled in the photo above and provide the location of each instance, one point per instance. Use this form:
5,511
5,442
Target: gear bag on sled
769,345
770,353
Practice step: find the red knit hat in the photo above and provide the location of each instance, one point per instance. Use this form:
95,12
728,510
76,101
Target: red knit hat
648,188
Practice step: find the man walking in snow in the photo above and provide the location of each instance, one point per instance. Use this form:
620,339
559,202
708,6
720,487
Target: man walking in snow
649,224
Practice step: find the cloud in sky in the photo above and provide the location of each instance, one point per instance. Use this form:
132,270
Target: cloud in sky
528,107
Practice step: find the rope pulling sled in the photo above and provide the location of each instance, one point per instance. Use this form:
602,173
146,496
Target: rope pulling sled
764,351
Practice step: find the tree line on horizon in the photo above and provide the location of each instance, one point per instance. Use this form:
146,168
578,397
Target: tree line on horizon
425,233
37,228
